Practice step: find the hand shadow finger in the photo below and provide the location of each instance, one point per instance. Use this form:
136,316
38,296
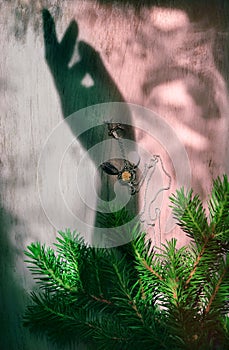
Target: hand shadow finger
88,54
67,44
93,64
88,63
91,61
50,38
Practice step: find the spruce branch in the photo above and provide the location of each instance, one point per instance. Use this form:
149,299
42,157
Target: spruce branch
197,261
207,309
142,252
149,268
219,208
190,214
50,270
138,295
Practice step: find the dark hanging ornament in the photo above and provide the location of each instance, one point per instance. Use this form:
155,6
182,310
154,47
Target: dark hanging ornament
109,168
115,130
127,175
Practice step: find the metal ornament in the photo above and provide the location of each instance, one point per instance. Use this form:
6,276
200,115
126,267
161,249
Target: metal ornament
115,130
126,176
109,168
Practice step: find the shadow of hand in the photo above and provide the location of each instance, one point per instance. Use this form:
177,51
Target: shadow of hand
68,80
74,95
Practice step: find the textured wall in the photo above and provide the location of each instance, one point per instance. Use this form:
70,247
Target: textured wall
172,60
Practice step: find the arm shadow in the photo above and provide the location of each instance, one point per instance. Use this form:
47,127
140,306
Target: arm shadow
74,95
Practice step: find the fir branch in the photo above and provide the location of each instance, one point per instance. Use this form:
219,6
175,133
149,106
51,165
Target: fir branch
219,201
69,247
102,300
131,297
126,292
57,280
149,268
198,259
44,304
206,311
97,272
219,209
54,316
46,263
142,248
189,212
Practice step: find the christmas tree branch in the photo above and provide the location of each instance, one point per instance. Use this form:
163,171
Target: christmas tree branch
68,247
131,301
97,273
101,300
134,296
198,259
192,218
144,263
206,311
57,280
189,212
149,268
46,263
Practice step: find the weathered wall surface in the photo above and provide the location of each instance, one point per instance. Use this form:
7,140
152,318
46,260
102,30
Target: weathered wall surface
173,61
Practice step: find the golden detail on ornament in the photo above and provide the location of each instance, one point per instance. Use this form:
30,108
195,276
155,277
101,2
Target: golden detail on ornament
126,176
